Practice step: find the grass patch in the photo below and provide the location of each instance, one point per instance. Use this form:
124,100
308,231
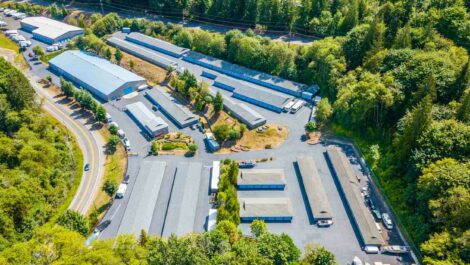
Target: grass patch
47,57
167,146
6,43
115,168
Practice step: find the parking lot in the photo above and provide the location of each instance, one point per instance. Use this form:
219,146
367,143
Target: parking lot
341,238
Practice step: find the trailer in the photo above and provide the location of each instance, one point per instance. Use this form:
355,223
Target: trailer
297,106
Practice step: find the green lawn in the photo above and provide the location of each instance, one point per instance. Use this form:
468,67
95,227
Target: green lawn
6,43
46,57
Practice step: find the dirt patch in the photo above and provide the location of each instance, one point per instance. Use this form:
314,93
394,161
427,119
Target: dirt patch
151,72
313,138
14,58
272,136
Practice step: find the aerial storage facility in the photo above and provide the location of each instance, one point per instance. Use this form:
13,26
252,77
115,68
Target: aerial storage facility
138,214
49,30
156,44
152,124
316,195
240,111
266,209
174,110
181,216
261,179
102,78
141,52
351,189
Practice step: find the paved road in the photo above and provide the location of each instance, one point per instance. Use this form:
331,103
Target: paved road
90,143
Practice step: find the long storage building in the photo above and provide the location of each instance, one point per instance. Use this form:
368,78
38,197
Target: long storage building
152,124
139,213
316,196
103,79
351,189
266,209
181,216
240,111
142,53
261,179
174,110
49,30
156,44
252,76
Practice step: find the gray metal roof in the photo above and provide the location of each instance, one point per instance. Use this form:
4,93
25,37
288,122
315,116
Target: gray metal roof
182,208
171,106
243,71
145,117
261,94
135,36
261,176
241,111
352,191
50,28
139,212
265,207
314,189
97,72
141,52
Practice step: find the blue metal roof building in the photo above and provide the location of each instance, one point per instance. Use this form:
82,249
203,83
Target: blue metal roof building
102,78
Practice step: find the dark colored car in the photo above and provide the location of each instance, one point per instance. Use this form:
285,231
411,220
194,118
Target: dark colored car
246,164
377,215
102,226
87,167
154,108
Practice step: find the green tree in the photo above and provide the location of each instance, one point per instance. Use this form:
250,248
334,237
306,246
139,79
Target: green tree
221,131
112,143
258,228
218,102
110,187
323,112
463,113
108,54
38,50
118,56
100,115
310,126
113,129
279,249
317,255
74,221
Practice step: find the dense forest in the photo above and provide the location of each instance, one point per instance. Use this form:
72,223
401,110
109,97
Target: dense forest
38,160
394,74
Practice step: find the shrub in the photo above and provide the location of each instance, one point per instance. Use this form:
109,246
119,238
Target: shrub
74,221
110,187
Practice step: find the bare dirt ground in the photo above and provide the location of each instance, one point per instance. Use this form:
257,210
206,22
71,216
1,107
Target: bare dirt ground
151,72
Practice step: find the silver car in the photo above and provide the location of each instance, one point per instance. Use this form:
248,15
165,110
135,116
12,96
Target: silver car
387,221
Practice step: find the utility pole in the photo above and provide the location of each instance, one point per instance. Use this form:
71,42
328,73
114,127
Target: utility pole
101,4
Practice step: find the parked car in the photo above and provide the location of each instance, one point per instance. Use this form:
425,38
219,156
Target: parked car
387,221
377,215
370,203
52,48
154,108
87,167
324,223
371,249
246,164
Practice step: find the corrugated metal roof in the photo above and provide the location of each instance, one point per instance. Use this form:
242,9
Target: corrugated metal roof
49,27
243,71
160,44
141,52
94,71
181,215
139,212
145,117
352,191
261,177
172,107
241,111
265,207
314,189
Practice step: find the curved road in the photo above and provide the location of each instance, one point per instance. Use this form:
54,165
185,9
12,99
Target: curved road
90,142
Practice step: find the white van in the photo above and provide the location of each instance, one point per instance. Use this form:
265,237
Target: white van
121,191
371,249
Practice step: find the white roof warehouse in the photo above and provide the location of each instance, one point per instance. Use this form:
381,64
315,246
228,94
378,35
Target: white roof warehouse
49,30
